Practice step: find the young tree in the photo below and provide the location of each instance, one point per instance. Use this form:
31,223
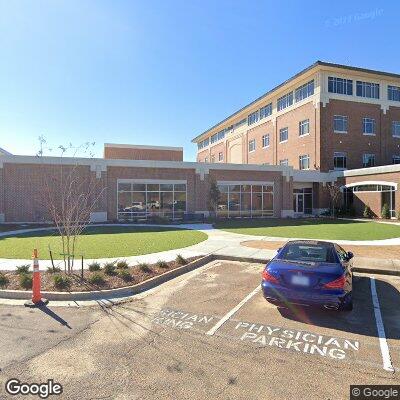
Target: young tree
71,193
334,195
214,196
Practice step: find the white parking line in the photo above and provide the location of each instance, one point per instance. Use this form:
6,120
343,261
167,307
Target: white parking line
387,363
232,312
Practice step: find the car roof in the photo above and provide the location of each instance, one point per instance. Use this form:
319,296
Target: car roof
311,242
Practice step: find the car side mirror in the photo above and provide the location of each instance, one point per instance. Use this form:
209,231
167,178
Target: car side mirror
350,255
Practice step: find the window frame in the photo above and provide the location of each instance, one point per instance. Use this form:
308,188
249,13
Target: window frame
362,88
371,155
346,84
366,122
340,154
394,125
302,158
252,142
285,101
304,91
305,122
344,118
280,134
266,136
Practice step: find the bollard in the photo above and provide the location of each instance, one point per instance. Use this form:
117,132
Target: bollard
37,299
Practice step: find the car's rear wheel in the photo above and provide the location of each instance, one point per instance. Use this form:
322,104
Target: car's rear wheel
347,304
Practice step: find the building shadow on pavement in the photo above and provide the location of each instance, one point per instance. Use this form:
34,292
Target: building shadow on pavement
359,321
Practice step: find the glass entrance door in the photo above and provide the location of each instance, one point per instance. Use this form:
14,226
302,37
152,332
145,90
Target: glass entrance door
298,205
302,201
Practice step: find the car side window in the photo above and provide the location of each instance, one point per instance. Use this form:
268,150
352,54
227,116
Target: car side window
341,253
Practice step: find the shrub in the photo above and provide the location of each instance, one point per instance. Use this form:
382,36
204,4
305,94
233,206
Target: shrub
109,268
25,281
398,214
367,212
385,212
3,280
61,281
122,264
96,279
145,268
55,270
180,260
94,266
162,264
23,269
125,275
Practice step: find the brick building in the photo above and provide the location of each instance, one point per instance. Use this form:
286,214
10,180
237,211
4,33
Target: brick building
273,158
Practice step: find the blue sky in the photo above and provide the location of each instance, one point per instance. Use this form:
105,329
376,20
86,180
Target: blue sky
160,72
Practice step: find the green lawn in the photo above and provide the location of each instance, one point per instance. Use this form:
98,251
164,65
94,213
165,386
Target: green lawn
312,228
99,242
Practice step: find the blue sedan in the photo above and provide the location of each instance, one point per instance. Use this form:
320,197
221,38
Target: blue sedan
310,273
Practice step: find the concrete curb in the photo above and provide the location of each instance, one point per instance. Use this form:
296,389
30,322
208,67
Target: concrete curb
376,271
110,293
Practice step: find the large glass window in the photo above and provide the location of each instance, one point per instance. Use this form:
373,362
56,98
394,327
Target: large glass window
340,123
304,91
368,89
340,85
140,200
395,159
284,162
285,101
394,93
245,200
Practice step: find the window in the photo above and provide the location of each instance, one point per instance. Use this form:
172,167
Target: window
266,111
368,89
245,199
368,160
252,145
252,118
340,85
285,101
203,143
206,159
143,199
212,158
396,128
340,123
339,160
396,160
393,93
304,127
368,126
220,156
283,134
240,123
265,140
304,91
304,162
284,162
221,134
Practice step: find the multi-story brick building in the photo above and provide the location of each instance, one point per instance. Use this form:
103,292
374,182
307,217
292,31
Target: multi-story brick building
327,117
273,158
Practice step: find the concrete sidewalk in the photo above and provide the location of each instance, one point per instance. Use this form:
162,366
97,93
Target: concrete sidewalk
220,243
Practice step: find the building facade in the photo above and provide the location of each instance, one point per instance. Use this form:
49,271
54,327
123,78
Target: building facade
136,189
328,117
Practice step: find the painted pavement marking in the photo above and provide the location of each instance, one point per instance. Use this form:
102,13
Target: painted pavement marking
228,315
387,363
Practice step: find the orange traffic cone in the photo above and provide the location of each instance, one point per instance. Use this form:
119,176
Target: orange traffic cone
37,299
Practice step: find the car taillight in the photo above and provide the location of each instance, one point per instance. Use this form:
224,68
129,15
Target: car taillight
336,284
266,276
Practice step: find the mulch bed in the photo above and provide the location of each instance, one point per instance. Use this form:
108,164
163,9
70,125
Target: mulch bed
77,284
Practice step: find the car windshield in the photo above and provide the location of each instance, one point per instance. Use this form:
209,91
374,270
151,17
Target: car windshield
307,253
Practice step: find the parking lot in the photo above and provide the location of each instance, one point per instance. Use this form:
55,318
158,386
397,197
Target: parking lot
210,334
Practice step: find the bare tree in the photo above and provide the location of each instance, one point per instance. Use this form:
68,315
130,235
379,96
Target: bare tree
71,193
214,196
334,194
